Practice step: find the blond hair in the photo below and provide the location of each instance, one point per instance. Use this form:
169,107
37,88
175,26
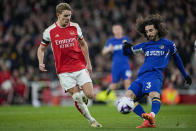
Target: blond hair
63,6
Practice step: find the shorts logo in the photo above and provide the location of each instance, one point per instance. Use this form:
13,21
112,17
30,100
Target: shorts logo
148,86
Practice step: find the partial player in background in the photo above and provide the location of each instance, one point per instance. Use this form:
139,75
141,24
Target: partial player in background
157,51
120,63
72,61
195,45
195,49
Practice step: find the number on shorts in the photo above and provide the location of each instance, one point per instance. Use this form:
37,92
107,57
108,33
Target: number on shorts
148,85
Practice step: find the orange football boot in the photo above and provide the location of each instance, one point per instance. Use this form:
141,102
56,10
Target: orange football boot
149,117
146,124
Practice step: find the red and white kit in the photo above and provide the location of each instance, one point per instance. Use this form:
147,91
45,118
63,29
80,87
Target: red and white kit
67,52
69,58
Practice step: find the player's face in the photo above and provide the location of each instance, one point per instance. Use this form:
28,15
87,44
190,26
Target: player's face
64,17
151,32
117,31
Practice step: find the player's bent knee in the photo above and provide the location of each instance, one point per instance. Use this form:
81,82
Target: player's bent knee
113,86
90,95
154,94
130,94
88,90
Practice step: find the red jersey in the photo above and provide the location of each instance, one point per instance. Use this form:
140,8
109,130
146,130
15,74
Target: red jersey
66,50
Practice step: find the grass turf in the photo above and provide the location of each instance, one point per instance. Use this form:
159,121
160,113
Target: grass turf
25,118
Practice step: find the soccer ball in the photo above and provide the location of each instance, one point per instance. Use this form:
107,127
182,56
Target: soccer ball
125,105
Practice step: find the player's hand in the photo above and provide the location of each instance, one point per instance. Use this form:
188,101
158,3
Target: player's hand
110,48
188,80
42,67
126,45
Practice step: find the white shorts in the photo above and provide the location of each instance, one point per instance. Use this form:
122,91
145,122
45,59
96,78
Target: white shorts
69,80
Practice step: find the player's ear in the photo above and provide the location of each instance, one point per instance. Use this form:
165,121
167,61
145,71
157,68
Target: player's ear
57,14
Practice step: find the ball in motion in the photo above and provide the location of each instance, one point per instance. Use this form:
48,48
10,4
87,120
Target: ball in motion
125,105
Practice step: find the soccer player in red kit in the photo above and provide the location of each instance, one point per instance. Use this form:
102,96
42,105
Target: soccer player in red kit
71,56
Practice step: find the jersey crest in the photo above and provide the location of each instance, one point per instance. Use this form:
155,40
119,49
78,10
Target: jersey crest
162,46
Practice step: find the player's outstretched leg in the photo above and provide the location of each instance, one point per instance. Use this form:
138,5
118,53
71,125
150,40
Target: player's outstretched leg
156,104
138,109
108,90
83,109
111,87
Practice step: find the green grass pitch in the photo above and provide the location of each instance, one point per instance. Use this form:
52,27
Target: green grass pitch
28,118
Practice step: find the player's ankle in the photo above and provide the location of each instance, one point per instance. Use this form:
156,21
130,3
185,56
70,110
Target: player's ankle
153,114
91,120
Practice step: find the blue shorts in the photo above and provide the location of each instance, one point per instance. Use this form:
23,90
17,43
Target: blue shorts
121,72
145,85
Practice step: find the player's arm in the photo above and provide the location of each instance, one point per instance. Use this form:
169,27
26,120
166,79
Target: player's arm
129,49
180,66
84,47
106,50
40,56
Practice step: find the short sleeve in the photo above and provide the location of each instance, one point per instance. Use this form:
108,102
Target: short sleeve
79,31
46,38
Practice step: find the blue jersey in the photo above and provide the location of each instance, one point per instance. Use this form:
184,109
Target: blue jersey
118,59
157,54
120,63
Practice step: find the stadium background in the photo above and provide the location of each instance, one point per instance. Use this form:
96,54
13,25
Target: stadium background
23,21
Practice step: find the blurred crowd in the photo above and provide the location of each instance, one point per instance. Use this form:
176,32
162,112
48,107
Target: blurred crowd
23,21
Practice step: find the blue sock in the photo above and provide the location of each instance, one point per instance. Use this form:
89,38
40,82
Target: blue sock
138,109
156,105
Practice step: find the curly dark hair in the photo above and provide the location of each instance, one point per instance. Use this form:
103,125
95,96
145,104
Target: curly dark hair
155,20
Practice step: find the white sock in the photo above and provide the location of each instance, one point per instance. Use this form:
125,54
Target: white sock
153,114
82,94
82,107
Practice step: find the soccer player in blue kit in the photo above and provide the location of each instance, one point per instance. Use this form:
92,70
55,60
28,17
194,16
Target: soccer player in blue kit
157,51
120,62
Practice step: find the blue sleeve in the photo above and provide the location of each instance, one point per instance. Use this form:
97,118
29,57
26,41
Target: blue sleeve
108,43
172,47
179,64
134,49
138,48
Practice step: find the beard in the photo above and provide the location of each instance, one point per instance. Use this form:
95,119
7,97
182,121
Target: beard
152,37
